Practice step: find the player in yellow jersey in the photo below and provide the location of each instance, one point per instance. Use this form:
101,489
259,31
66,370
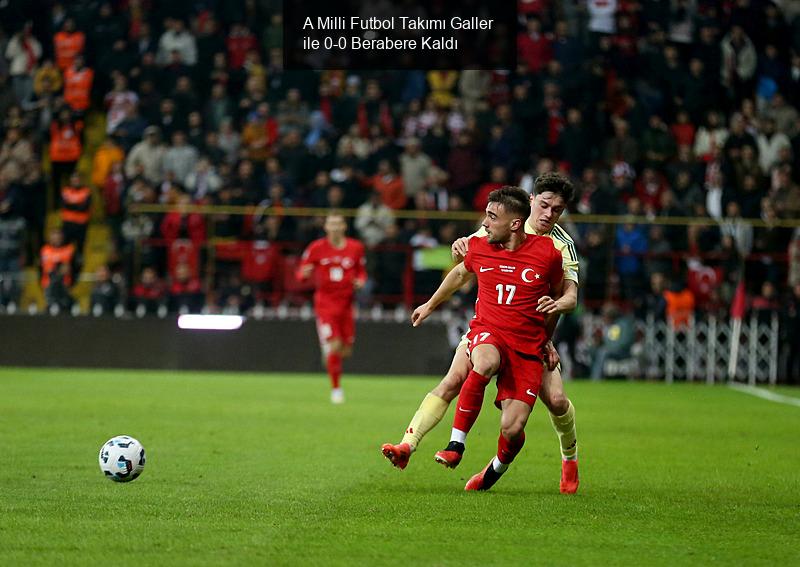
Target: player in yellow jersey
551,194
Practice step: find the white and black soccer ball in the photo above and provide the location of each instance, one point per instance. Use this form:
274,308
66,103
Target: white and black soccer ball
122,458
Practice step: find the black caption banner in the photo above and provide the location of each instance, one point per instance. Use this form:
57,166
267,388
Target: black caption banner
404,34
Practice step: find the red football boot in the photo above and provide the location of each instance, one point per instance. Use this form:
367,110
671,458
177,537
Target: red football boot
451,455
484,480
398,455
569,477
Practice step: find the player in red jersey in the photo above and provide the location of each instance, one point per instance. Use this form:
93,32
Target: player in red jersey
508,334
337,264
551,194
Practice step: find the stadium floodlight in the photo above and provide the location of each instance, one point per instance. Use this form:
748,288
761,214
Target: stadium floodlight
210,322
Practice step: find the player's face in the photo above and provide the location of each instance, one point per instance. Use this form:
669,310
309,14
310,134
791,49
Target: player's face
335,227
546,209
499,223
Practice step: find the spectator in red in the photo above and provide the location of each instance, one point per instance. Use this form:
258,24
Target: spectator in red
535,49
531,7
67,44
185,291
683,130
389,185
497,180
649,188
766,303
182,224
112,189
148,295
239,42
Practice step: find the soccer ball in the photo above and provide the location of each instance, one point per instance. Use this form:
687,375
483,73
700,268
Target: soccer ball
122,458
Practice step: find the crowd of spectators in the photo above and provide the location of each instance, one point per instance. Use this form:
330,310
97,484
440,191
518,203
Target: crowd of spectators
674,108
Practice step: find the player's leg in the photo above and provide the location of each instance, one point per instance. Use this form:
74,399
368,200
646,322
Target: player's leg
485,359
431,410
509,444
330,339
347,331
562,416
344,332
334,365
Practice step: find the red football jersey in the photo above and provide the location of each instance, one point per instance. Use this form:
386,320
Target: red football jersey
335,270
510,284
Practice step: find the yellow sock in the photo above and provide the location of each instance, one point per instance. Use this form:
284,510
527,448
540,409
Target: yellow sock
430,413
567,436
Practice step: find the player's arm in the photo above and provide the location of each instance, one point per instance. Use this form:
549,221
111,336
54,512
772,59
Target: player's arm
361,270
564,304
460,247
452,282
306,267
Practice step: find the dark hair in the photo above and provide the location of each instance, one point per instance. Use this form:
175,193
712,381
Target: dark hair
555,183
513,199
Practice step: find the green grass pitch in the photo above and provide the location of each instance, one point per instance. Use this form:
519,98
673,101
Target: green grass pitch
262,469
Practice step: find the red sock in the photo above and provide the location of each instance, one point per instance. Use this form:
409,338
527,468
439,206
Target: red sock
508,449
470,400
335,368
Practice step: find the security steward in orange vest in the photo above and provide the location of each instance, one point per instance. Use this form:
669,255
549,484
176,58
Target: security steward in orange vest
78,85
56,259
76,200
67,44
65,146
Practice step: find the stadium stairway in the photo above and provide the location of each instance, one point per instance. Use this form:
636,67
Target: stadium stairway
99,242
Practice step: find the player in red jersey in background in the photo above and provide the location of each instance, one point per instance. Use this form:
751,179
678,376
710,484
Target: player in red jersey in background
508,334
337,264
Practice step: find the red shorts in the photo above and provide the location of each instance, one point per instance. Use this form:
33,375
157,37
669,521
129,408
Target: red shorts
333,325
520,374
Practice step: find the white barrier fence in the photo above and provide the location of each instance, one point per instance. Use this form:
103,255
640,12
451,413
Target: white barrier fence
699,351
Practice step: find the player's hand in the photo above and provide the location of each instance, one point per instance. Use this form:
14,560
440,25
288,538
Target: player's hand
549,305
420,314
459,249
305,271
551,358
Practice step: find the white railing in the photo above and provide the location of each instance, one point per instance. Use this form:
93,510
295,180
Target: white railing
700,350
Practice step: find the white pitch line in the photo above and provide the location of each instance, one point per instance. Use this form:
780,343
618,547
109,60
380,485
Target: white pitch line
766,395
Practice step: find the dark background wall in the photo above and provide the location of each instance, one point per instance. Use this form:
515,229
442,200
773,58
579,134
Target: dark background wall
259,346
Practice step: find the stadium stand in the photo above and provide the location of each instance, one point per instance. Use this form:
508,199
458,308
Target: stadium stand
680,114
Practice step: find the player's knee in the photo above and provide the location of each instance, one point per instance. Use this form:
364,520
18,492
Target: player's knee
486,365
513,429
556,401
512,425
450,385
